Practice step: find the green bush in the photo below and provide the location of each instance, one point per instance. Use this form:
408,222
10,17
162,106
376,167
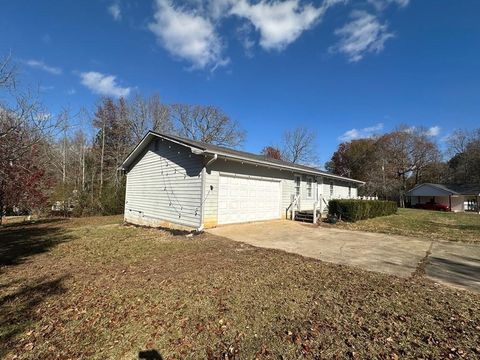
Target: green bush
353,210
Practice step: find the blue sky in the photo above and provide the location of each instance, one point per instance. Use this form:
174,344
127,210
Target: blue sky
343,68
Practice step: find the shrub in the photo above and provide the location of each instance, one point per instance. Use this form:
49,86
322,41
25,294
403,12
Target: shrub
353,210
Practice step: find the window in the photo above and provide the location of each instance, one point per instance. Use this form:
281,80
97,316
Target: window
298,180
349,191
309,187
331,189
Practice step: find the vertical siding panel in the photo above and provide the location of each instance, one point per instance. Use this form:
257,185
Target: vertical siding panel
164,186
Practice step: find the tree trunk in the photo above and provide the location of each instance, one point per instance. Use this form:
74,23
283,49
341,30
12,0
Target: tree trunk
2,203
83,167
101,159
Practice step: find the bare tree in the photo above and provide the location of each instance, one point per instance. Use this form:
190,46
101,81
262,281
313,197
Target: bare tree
206,123
146,114
24,128
7,72
464,149
299,146
408,153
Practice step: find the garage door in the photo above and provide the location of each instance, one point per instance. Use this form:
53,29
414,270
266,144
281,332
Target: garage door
242,199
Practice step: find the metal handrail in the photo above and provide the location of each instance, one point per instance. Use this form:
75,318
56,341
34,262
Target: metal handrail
292,204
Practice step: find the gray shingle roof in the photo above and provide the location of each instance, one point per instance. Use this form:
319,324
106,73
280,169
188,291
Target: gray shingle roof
457,189
242,155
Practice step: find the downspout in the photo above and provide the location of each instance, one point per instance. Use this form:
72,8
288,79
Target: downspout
202,199
215,157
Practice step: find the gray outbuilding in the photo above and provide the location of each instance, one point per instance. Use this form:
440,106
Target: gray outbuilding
177,182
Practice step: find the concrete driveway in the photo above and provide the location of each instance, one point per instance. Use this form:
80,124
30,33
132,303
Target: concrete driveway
454,264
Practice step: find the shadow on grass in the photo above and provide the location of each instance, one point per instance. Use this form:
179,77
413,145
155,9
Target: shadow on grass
28,223
149,355
18,309
472,227
20,242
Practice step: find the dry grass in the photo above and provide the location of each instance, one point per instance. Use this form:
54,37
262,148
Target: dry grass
91,288
434,225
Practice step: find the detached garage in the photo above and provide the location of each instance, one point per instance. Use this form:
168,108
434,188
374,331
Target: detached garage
453,197
176,182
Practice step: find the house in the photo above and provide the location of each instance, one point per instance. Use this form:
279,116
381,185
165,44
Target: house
457,198
176,182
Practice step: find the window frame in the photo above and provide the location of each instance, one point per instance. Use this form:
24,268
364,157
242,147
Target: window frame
295,177
309,178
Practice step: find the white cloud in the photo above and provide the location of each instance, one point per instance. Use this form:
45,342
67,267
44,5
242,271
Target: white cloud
71,91
102,84
219,8
280,22
362,35
382,4
244,35
366,132
115,11
433,131
42,66
187,35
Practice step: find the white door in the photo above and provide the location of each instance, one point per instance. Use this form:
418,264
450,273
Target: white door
241,199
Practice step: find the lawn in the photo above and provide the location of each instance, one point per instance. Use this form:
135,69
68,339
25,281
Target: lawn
92,288
434,225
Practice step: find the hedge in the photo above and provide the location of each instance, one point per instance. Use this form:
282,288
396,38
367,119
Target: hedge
353,210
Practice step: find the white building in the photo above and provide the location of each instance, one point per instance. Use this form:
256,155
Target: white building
176,182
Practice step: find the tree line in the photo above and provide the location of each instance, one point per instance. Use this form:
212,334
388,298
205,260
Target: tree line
70,160
392,163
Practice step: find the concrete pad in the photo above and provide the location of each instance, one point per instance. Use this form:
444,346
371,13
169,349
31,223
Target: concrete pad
454,264
389,254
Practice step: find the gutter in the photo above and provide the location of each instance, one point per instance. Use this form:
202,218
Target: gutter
268,164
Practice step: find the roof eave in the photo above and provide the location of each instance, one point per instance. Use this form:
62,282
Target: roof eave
280,166
134,153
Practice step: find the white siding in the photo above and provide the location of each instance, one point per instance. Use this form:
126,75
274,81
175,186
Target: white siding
340,189
164,186
286,182
233,167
